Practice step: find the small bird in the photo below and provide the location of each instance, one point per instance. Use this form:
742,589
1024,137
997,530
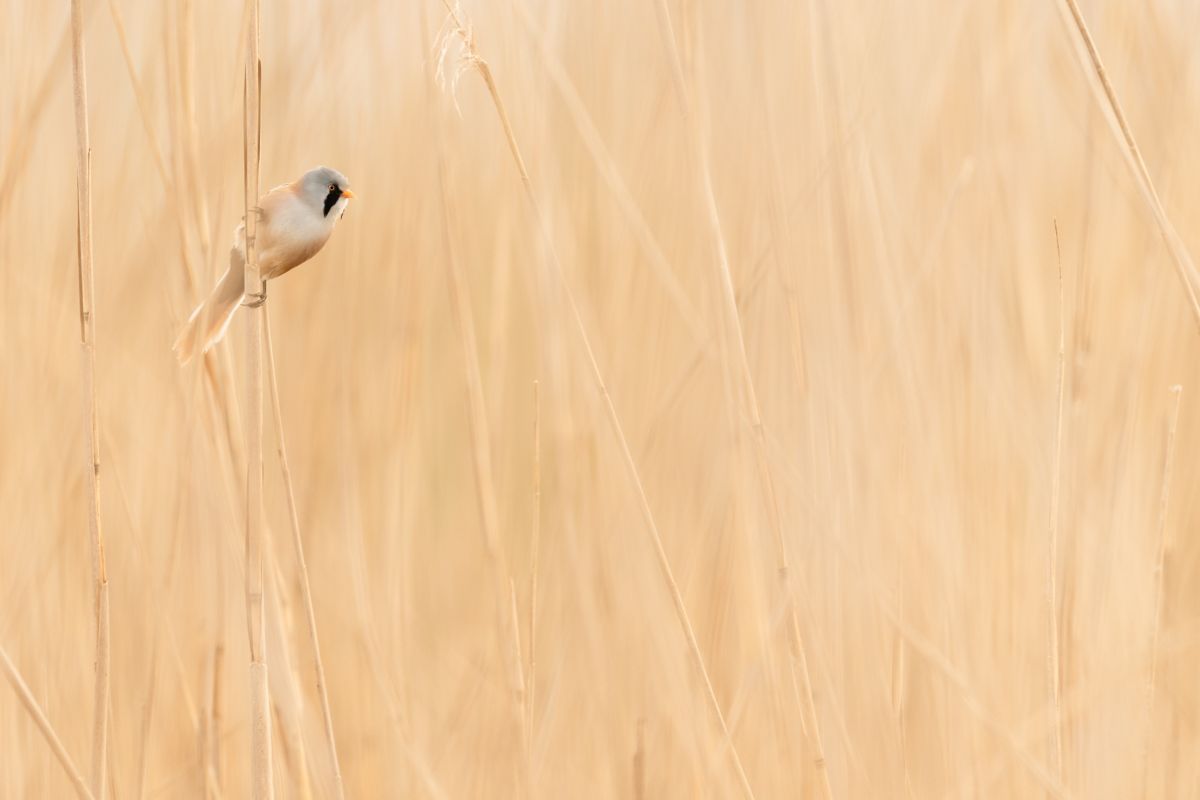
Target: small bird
294,222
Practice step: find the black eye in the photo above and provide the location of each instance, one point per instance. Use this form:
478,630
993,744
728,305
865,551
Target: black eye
335,194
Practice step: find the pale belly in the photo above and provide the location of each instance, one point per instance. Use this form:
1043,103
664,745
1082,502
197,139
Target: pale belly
290,239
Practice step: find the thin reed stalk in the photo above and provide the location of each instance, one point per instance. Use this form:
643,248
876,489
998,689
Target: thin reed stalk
261,771
39,717
474,61
298,547
607,168
87,335
732,327
1055,673
1159,566
508,620
1185,268
535,548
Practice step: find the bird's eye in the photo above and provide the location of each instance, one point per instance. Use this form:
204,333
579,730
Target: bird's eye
335,194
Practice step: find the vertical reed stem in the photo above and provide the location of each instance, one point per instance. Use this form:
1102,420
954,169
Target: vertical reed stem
535,548
1159,567
87,334
262,780
1055,677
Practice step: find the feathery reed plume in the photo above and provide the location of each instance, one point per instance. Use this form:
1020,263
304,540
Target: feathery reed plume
87,335
469,58
261,776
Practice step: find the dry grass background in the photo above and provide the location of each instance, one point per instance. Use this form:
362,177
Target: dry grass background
887,179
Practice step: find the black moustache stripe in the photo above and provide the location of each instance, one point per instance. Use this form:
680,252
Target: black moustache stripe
335,194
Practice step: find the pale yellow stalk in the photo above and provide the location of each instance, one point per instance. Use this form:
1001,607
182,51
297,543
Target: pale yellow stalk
261,772
87,335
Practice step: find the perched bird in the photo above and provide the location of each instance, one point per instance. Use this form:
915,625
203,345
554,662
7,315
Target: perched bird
294,222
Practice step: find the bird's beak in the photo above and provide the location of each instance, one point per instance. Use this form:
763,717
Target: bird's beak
346,193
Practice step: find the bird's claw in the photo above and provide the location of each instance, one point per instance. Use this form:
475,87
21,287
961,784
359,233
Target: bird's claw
255,299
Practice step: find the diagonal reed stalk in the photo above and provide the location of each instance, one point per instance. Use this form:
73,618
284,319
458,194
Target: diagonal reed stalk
87,334
606,167
1185,268
261,776
473,60
298,546
39,717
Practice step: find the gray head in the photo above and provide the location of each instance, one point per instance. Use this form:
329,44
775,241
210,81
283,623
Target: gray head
326,190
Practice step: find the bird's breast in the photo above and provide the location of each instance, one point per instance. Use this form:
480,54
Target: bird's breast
292,235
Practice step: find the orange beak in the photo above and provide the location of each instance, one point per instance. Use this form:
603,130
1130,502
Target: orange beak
347,193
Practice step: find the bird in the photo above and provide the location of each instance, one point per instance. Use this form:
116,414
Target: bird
294,222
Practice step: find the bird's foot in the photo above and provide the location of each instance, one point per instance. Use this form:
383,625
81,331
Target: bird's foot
255,299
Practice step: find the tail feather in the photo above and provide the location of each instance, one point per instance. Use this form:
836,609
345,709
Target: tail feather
208,323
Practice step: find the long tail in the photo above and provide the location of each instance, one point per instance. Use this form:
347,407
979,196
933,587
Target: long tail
209,321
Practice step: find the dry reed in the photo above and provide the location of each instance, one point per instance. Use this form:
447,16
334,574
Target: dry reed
1185,268
845,240
87,335
261,770
473,60
310,614
1054,672
39,717
1159,568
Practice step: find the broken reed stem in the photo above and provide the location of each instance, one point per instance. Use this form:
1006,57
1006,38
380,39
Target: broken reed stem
87,333
1056,762
1185,269
1159,566
298,547
485,72
261,777
39,717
